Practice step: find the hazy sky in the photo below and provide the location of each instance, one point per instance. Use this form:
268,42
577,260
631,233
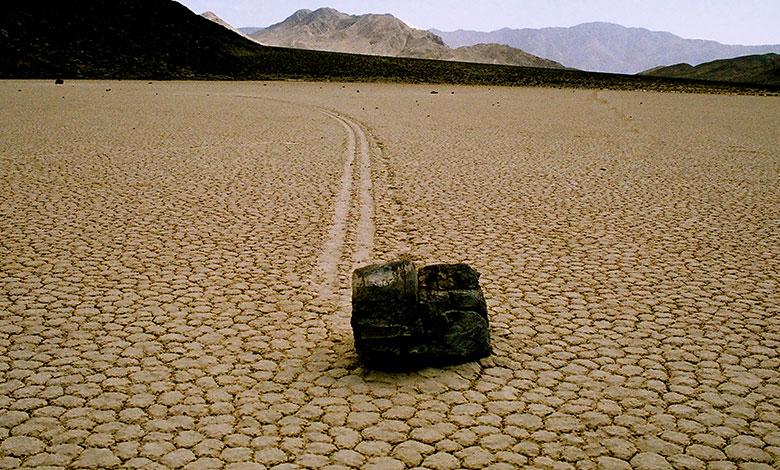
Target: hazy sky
726,21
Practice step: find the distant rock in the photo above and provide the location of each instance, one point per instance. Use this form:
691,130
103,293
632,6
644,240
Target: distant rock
606,47
403,318
327,29
755,69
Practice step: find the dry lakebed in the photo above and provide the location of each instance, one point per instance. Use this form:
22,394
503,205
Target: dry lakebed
175,262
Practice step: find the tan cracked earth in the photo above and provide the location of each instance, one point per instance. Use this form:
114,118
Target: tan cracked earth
175,263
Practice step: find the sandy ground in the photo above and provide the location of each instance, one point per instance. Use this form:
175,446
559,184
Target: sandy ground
175,262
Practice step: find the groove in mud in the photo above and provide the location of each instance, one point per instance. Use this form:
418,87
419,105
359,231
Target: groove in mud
365,228
334,248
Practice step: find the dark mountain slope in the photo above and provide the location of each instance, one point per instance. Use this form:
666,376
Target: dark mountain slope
121,38
757,69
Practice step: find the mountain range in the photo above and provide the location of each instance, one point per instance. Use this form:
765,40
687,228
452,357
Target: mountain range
606,47
327,29
163,40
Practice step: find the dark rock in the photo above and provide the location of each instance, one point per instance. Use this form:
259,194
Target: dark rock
385,321
445,287
59,81
454,312
405,319
462,336
385,297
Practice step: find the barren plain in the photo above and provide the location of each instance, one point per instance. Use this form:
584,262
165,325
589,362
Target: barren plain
175,262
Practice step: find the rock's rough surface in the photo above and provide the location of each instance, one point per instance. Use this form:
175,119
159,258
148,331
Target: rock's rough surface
385,320
402,318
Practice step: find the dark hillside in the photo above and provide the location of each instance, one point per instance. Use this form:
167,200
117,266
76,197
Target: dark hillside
759,69
117,39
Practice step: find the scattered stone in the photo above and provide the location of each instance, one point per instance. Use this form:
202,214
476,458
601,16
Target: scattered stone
59,81
403,319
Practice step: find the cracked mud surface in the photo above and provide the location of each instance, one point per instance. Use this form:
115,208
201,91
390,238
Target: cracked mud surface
164,302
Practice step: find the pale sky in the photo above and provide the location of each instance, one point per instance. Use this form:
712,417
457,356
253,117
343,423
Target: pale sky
727,21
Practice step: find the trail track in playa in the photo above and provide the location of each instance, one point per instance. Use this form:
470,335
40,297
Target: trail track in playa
357,155
175,265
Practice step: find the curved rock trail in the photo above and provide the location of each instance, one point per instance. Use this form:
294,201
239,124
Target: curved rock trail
332,284
335,248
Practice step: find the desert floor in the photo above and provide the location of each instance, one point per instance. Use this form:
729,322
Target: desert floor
175,262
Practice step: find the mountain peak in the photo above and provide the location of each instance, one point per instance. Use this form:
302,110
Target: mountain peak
380,34
296,18
327,11
331,30
306,16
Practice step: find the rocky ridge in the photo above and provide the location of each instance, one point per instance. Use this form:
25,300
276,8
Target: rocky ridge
327,29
